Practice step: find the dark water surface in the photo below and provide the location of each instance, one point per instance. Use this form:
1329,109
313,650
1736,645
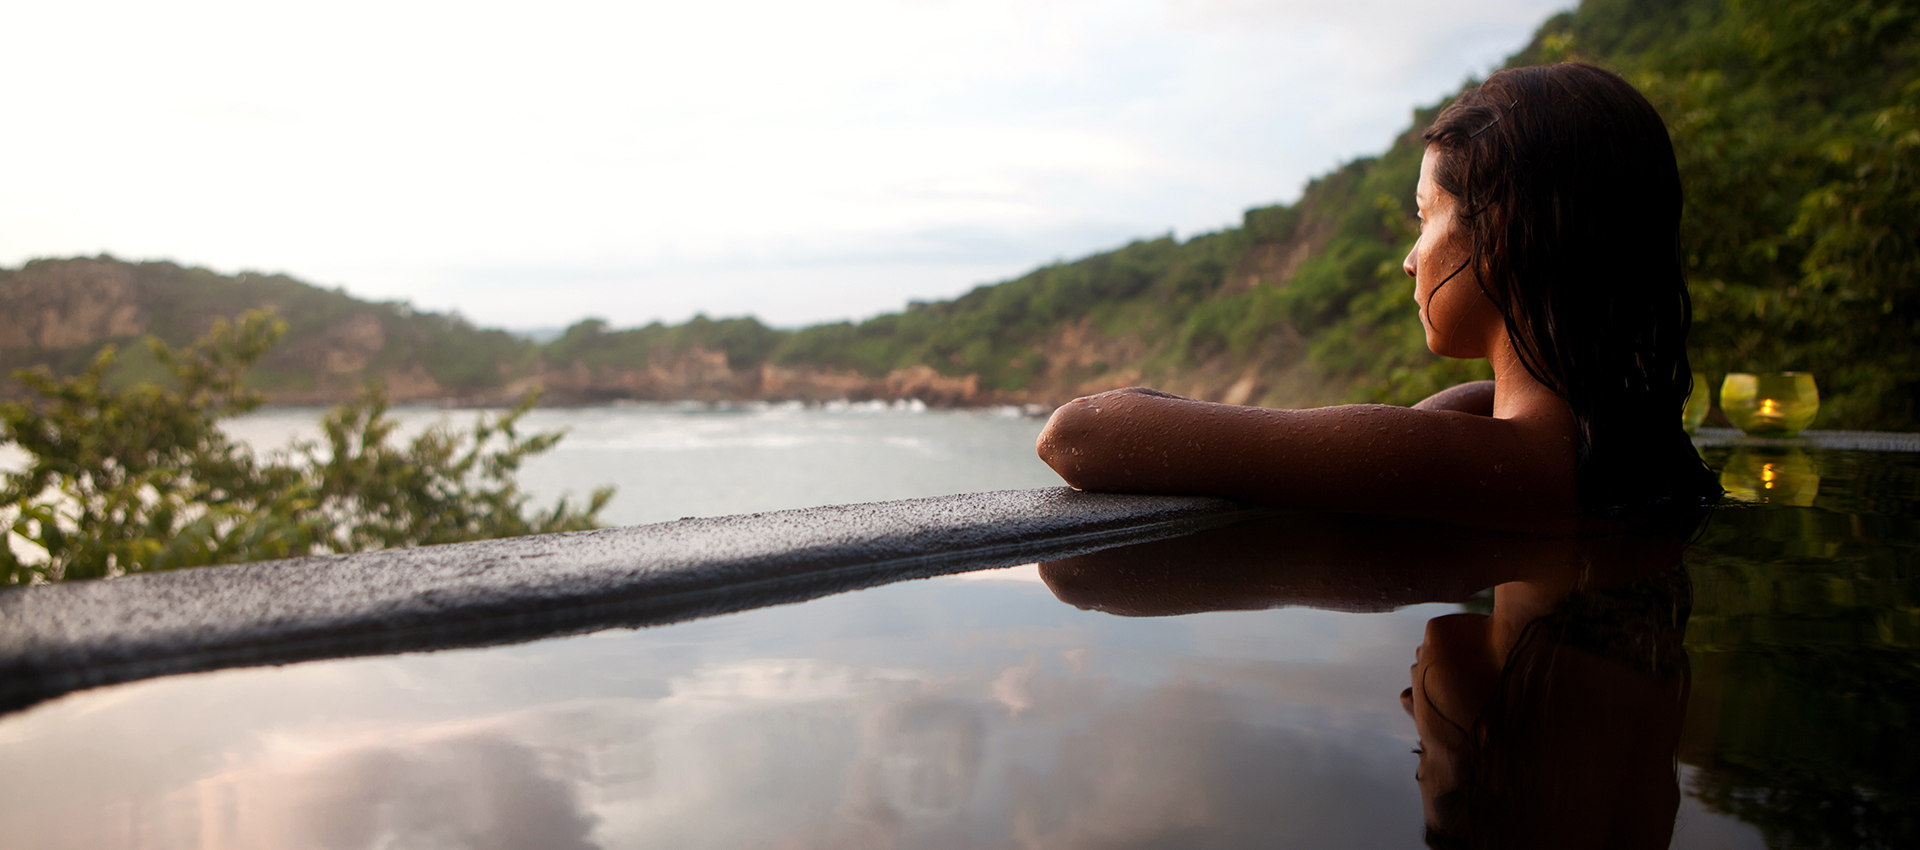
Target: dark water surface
1805,642
1239,689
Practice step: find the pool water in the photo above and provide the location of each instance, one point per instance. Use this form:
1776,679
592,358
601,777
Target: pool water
1236,690
1805,643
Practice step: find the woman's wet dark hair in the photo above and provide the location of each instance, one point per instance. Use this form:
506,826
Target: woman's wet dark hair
1569,192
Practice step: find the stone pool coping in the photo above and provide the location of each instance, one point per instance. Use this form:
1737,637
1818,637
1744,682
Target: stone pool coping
55,639
1856,441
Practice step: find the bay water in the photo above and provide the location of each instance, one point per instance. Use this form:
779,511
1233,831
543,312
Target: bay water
675,460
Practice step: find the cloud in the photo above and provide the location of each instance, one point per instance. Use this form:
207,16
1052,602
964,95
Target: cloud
1184,767
928,762
479,789
472,792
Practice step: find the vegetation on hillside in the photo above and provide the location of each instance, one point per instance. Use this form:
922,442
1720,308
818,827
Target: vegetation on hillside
140,477
589,342
1798,140
451,349
179,304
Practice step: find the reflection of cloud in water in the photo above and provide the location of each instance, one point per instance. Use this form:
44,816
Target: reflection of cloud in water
1062,748
917,770
1028,573
1012,686
469,791
1181,768
895,761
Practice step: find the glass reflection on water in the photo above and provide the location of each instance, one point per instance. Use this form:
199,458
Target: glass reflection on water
1238,689
1773,475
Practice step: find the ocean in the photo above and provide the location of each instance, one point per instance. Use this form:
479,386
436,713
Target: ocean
673,460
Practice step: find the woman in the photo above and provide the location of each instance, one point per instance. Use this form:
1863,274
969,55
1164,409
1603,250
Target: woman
1549,203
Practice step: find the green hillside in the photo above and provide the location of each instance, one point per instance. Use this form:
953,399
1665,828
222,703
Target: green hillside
58,313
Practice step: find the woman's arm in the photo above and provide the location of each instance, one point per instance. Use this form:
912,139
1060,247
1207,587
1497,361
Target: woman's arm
1355,457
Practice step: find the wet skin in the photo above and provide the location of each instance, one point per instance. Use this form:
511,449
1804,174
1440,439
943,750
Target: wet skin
1458,454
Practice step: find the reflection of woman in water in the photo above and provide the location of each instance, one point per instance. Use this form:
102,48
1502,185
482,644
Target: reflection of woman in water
1550,209
1550,721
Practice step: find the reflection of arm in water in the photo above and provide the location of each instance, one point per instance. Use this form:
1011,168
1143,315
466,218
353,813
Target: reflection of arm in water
1330,561
1550,208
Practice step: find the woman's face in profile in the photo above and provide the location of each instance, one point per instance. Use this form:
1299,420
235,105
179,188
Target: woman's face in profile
1459,319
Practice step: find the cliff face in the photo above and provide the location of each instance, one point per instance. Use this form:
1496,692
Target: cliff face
71,304
1080,357
57,314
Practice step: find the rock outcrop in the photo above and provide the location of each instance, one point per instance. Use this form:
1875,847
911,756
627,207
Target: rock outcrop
70,304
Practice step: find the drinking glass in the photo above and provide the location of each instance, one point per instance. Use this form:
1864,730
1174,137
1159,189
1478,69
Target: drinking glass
1770,404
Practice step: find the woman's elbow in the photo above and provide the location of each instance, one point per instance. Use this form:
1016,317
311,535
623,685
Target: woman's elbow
1072,446
1055,445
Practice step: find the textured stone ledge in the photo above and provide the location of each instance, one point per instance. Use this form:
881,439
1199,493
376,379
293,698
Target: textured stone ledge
1853,441
60,638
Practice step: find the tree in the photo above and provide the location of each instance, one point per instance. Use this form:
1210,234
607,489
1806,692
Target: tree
141,478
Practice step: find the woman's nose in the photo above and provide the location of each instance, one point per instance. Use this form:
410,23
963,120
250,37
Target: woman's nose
1408,266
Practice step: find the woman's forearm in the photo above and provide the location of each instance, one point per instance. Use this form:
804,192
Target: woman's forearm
1354,457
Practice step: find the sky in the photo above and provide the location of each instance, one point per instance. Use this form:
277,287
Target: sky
528,165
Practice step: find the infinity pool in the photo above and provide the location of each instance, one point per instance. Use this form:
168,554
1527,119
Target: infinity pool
1236,689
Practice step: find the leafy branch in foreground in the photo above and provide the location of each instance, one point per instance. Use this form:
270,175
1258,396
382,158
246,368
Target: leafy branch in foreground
142,478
